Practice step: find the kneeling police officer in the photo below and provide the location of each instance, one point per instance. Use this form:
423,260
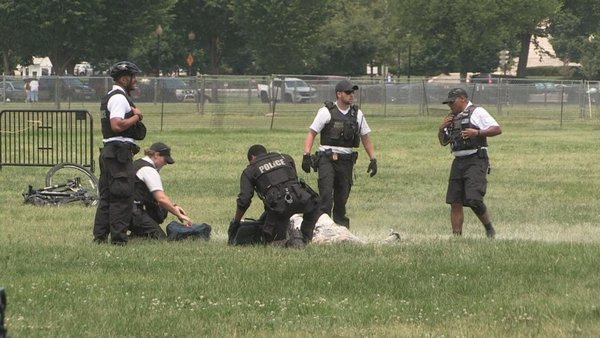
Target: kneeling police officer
273,176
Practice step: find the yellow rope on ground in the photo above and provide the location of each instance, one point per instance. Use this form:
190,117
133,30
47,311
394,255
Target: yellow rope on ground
33,122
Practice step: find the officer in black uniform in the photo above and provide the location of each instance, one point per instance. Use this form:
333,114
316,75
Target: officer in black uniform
121,126
466,129
273,176
342,126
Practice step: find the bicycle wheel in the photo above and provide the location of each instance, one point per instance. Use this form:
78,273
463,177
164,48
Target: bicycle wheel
63,173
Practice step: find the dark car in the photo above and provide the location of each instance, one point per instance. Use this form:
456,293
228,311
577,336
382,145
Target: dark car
65,88
13,91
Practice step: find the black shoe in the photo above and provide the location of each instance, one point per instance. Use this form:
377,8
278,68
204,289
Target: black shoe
100,240
490,233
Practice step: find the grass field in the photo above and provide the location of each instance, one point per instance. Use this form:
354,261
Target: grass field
538,278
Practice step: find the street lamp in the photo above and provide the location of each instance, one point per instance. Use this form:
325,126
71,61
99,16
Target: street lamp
158,32
190,58
504,56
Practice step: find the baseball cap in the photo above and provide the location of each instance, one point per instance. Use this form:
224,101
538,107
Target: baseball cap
454,93
345,86
163,150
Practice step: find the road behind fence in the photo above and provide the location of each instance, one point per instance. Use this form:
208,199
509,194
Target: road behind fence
250,101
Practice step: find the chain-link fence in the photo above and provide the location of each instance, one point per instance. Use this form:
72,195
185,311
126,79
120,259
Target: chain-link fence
276,97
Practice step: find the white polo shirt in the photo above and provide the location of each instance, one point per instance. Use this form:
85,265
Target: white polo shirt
150,176
118,106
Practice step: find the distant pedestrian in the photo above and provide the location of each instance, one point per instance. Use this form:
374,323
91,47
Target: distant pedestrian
34,86
466,129
27,88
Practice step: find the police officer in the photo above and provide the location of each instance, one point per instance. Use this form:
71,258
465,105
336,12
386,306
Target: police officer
466,129
273,177
342,126
151,204
121,125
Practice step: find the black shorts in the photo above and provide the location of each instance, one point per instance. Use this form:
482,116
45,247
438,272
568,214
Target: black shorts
468,179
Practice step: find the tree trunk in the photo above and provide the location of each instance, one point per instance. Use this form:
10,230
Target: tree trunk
523,54
7,70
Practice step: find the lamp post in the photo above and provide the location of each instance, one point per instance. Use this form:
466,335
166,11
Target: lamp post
190,58
158,32
504,56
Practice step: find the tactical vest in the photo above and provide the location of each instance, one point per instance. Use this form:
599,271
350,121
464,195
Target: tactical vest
136,132
144,197
274,174
342,130
460,122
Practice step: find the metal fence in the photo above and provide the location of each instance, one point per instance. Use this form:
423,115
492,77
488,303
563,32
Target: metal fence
281,95
46,138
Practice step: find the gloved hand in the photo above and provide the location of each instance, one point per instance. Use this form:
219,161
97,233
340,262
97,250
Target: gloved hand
372,167
306,163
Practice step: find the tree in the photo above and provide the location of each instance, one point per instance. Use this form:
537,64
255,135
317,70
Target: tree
351,39
281,35
12,30
574,31
466,36
211,22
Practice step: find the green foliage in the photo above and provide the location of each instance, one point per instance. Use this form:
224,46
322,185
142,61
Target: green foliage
282,35
574,31
539,278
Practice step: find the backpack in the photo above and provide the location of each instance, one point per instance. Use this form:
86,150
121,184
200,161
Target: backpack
177,231
249,232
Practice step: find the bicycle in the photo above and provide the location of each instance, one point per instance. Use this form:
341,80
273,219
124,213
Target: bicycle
65,183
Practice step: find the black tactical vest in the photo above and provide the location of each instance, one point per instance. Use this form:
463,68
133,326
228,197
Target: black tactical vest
272,171
143,196
460,122
342,130
136,132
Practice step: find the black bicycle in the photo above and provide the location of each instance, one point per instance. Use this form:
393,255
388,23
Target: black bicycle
65,183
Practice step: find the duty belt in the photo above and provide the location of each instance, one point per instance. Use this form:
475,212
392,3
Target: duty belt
337,156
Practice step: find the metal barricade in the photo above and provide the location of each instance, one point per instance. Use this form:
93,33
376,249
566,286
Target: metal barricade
46,138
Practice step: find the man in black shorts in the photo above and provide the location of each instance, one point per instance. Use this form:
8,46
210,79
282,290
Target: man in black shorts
466,129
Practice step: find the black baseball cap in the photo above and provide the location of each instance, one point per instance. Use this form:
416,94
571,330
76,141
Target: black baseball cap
454,93
345,86
163,150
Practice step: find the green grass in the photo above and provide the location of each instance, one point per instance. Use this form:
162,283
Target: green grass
539,278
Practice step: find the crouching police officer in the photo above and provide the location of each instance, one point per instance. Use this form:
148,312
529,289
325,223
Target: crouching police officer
151,203
273,176
342,126
121,125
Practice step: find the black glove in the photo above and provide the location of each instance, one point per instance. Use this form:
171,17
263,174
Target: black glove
372,167
232,231
306,163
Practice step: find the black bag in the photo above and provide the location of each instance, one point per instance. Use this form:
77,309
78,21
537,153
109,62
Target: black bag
250,231
177,231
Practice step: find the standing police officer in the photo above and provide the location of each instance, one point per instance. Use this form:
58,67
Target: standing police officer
273,177
342,126
466,129
121,126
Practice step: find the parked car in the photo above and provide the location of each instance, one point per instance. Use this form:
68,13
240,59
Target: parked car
83,69
13,91
69,88
168,89
291,89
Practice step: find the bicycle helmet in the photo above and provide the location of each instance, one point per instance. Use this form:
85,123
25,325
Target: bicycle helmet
123,68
